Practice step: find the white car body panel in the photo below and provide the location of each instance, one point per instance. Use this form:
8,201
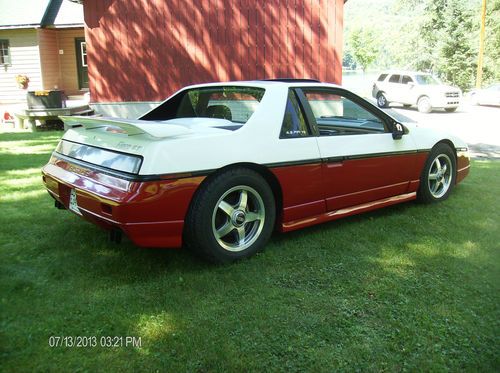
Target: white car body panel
487,96
192,144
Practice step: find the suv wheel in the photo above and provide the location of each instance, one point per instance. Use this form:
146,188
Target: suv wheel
382,101
424,105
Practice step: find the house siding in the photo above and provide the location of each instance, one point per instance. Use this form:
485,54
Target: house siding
145,50
67,60
49,57
25,59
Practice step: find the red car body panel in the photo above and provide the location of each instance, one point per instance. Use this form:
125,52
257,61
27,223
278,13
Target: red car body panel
306,200
356,181
152,213
463,165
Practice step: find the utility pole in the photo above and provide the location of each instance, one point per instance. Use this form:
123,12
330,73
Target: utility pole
479,76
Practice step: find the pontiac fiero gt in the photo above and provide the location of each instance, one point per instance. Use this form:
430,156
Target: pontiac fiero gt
217,167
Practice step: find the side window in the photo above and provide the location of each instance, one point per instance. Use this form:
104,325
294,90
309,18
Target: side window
338,115
294,124
394,78
406,79
382,77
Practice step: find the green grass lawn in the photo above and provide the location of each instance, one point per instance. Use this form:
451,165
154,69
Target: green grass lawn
411,287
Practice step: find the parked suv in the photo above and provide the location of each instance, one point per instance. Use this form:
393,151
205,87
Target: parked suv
415,88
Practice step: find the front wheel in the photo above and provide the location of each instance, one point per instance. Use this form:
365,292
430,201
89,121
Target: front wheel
231,217
438,176
382,101
424,105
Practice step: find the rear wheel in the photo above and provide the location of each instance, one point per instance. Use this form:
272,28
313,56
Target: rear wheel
424,105
382,100
438,176
231,217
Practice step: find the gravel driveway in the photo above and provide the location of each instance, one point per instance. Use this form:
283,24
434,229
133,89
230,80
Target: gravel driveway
478,126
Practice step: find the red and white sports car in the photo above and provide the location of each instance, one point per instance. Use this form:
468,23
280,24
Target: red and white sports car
219,166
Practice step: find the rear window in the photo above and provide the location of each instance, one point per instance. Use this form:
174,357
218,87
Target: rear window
382,77
231,103
394,79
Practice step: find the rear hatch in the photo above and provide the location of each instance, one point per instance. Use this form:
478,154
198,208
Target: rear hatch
112,145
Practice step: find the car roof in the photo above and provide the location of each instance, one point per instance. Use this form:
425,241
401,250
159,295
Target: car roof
404,72
269,83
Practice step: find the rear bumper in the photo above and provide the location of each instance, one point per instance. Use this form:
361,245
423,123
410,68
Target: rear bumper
150,213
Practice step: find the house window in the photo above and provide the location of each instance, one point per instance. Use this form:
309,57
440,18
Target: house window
83,49
4,52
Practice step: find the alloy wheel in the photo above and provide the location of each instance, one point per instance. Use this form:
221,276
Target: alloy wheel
440,176
238,218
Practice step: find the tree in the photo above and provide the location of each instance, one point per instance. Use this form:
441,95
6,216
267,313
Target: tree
348,61
439,36
457,60
446,42
363,46
492,45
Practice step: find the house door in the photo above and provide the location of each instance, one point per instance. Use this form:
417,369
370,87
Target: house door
81,63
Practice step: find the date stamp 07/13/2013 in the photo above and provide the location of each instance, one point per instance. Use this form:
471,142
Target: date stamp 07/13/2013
79,341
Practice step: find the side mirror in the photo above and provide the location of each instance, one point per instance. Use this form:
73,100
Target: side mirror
398,130
411,84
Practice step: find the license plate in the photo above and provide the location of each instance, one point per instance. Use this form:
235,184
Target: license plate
73,204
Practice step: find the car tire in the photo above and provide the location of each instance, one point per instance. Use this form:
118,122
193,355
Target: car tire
450,109
231,217
382,100
439,175
424,104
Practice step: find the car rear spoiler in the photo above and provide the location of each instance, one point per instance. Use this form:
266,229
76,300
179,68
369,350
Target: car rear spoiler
129,126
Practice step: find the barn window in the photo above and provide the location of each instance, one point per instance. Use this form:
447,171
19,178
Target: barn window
4,52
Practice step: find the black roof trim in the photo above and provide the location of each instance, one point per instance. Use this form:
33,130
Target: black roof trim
51,12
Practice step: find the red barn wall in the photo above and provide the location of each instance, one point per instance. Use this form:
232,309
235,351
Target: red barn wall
144,50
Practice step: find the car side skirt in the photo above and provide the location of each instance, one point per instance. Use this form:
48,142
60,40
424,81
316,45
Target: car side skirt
333,215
